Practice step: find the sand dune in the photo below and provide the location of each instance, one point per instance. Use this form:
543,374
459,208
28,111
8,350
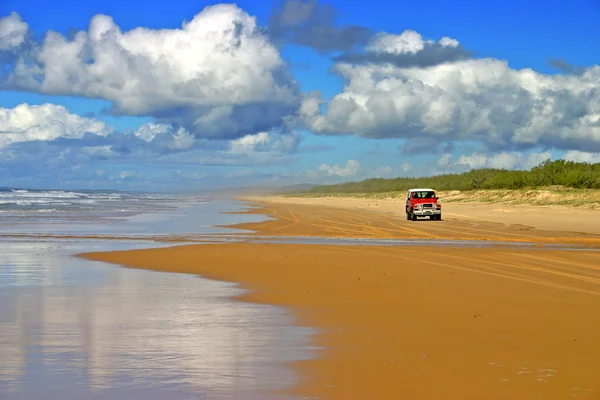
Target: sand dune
417,322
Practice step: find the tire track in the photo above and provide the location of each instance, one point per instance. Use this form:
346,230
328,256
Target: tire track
556,260
477,270
527,267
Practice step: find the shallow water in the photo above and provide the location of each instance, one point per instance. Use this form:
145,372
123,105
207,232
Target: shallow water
71,328
180,217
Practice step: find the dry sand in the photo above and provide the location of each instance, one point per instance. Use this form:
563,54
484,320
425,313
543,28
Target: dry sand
417,322
552,218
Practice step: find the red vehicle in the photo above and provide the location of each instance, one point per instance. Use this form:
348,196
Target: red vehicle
422,203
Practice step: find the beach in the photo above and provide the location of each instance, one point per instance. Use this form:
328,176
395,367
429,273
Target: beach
299,200
422,320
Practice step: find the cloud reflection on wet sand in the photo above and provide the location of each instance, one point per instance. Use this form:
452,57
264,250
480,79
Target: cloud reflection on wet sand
72,327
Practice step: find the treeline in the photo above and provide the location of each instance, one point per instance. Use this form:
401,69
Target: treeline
549,173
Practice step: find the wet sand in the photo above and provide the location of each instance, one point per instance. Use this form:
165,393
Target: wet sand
417,322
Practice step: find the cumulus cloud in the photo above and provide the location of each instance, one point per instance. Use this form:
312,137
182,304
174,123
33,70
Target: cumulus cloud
45,122
350,169
582,156
176,139
49,134
408,49
265,146
218,76
127,174
471,99
445,160
309,23
502,160
181,140
149,131
13,31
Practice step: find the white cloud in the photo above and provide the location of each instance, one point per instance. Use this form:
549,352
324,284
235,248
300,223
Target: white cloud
474,99
28,135
502,160
445,160
12,31
582,156
264,146
263,141
323,174
149,131
534,159
448,42
45,122
311,104
408,41
218,75
127,174
181,140
351,169
98,151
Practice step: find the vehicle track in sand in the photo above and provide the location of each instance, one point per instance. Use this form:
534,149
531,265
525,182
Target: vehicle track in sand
311,220
520,270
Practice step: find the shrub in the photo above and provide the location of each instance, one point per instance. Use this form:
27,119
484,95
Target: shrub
548,173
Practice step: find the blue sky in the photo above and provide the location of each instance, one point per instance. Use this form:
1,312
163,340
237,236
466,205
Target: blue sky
421,88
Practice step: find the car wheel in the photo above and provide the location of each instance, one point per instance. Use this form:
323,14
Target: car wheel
407,213
413,216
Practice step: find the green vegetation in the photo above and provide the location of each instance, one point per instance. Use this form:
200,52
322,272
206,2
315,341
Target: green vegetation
559,173
549,196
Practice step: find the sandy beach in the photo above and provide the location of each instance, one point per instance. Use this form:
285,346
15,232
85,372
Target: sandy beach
494,219
419,322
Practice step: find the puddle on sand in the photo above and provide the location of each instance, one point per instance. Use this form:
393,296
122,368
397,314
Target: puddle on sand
71,328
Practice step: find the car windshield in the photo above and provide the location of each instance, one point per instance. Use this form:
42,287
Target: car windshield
425,194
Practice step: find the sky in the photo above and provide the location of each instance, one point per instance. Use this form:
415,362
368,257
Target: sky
199,95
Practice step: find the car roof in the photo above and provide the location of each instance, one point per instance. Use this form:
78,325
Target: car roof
421,190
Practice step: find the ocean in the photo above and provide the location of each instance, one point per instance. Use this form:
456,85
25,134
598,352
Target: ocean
105,213
71,328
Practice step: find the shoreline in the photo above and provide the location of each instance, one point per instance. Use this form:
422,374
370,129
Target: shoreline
346,293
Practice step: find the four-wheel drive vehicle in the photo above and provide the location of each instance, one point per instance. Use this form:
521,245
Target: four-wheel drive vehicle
422,203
